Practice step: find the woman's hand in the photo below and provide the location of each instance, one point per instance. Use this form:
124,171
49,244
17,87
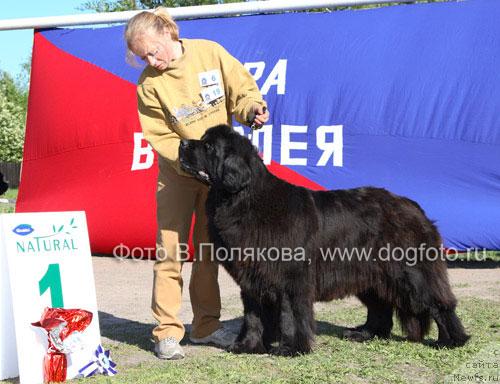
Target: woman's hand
261,116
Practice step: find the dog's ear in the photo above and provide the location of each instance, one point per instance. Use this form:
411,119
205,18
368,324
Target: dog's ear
236,174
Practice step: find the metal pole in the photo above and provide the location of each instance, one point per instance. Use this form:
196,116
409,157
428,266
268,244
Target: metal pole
197,11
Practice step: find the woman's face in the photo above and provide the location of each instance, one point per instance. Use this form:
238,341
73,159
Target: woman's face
155,49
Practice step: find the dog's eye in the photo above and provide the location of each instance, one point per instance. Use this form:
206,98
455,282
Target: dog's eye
209,147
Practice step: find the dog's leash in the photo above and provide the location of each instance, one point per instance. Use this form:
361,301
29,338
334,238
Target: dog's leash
255,126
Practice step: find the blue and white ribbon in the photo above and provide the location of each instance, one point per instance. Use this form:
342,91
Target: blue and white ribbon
101,363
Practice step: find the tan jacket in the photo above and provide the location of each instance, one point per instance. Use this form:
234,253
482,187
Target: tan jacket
201,89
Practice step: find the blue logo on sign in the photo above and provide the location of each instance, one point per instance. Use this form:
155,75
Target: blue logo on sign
23,229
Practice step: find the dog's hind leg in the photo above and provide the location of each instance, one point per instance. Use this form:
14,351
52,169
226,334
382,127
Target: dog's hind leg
378,321
442,306
451,331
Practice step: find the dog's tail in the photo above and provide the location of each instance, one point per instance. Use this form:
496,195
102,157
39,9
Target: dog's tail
414,326
430,297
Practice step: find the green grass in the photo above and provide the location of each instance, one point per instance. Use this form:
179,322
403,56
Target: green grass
334,360
11,194
476,256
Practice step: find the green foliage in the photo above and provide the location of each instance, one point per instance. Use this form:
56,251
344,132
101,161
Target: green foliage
374,5
184,3
22,82
111,6
13,104
13,91
129,5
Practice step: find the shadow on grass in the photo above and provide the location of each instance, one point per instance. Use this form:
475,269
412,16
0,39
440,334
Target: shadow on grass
126,331
138,334
329,329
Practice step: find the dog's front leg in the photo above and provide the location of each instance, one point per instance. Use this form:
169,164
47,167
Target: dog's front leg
250,338
296,325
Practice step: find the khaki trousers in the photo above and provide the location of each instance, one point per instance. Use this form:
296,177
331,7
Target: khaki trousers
177,198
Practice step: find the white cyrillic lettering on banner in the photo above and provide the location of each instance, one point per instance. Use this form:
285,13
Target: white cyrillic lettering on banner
333,148
277,77
328,139
139,152
287,145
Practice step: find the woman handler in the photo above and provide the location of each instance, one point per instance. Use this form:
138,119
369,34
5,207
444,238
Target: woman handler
187,87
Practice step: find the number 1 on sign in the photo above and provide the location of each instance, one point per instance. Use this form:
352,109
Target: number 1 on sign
52,280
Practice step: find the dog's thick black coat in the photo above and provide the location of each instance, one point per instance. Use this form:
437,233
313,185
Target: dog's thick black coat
252,211
3,185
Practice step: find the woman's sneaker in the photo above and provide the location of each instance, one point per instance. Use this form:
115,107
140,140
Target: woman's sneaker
221,337
169,349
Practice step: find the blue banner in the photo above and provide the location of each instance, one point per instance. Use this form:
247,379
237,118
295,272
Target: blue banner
401,97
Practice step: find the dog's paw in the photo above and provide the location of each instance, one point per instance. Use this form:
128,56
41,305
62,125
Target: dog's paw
358,334
281,350
245,347
449,343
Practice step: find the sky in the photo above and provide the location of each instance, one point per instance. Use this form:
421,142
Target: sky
16,46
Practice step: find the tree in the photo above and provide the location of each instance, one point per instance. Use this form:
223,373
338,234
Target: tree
13,101
129,5
111,6
23,79
14,91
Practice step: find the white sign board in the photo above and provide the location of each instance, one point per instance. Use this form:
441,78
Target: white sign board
8,352
46,257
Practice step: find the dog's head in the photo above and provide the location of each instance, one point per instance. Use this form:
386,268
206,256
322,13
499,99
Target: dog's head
222,158
3,185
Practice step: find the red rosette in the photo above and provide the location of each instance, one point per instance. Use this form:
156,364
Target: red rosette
54,367
60,323
75,319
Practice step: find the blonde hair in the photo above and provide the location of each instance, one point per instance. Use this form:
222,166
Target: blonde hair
149,21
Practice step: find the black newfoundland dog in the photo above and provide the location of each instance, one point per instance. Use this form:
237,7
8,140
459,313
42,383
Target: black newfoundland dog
273,239
3,185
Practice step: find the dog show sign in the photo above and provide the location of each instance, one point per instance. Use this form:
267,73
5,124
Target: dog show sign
48,302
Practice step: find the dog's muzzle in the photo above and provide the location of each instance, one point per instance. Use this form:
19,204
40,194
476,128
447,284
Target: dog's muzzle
183,147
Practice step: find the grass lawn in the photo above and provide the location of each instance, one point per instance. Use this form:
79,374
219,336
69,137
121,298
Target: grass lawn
477,256
11,194
336,360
